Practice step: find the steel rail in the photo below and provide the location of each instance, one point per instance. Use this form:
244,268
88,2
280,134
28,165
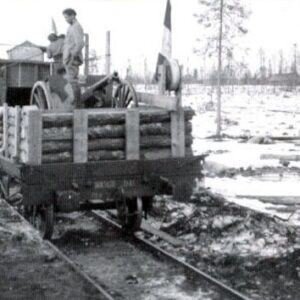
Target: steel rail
86,277
230,292
72,264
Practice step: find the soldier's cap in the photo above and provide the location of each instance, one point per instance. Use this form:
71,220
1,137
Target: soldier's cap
69,12
52,36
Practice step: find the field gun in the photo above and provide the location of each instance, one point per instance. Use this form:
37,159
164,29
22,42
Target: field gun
55,93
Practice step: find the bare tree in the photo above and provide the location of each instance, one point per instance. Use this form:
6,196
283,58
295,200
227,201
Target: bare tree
93,62
294,61
223,21
262,65
281,62
270,70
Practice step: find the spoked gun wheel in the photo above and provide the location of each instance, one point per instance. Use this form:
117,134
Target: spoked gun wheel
125,95
40,95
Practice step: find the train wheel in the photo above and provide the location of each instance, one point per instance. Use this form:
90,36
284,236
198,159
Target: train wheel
125,95
40,95
130,213
42,219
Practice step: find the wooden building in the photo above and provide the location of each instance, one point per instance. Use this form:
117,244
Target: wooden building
17,78
26,51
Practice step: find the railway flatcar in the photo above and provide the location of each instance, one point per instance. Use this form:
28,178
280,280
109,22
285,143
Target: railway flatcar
118,151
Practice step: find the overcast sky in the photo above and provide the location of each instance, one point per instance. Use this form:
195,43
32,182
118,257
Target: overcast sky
136,26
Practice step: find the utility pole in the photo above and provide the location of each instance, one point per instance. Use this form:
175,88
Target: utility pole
219,91
86,54
107,54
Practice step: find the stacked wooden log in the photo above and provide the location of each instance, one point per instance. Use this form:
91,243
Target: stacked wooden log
107,135
34,137
12,134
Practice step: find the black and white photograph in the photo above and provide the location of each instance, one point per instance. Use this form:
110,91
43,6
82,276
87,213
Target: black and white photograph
150,150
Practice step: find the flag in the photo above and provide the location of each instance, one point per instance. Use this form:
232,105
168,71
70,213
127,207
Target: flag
166,49
53,26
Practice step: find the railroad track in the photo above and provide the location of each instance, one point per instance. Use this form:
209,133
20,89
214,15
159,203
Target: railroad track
131,267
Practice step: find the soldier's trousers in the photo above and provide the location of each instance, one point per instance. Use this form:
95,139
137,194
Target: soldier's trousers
72,77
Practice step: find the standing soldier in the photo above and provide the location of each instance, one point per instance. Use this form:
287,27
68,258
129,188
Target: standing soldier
55,50
72,54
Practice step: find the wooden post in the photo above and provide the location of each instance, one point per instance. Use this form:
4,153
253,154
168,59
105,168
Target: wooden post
178,133
178,127
80,136
132,134
86,54
34,136
162,79
17,132
107,54
19,75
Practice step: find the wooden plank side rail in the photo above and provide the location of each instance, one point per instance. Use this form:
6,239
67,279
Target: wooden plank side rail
132,134
80,136
163,101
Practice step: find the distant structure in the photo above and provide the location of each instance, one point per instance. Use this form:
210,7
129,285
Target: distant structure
26,51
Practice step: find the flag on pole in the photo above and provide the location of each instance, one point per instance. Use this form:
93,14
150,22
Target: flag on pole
53,26
166,49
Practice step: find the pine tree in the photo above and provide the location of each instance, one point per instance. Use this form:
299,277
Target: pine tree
223,22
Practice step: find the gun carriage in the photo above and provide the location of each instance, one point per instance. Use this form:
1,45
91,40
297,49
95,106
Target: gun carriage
118,151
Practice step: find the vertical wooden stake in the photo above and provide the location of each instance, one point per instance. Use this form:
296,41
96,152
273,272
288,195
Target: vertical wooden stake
178,133
162,79
132,134
178,128
34,137
80,136
19,75
17,132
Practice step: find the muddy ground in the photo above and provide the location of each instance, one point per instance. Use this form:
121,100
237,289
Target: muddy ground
29,269
255,253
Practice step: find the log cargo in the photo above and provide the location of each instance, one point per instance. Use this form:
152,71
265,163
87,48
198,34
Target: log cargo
109,131
111,118
146,142
67,156
32,136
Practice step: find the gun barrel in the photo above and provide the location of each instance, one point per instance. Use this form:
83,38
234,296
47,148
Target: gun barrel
99,85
